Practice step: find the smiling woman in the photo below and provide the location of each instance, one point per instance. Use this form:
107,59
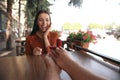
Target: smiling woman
41,39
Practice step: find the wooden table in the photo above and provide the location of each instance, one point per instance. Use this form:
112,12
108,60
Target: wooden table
33,67
24,68
97,65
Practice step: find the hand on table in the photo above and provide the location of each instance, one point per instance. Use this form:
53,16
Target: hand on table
37,51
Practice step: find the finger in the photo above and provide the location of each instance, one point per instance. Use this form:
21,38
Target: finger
40,50
37,48
55,53
48,60
63,50
53,57
49,27
59,51
37,53
40,53
60,47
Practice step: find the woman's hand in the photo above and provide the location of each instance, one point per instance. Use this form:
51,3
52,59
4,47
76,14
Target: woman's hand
47,31
37,51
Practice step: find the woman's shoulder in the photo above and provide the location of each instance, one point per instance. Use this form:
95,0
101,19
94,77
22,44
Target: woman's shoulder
55,34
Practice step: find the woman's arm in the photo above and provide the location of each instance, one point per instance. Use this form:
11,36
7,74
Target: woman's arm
45,39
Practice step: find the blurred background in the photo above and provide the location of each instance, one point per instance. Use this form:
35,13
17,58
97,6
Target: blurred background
102,17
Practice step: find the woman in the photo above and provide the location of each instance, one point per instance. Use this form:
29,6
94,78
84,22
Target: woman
40,39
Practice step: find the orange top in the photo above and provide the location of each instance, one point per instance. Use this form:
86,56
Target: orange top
34,41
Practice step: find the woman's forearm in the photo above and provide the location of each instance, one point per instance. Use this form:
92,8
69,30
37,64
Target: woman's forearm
46,42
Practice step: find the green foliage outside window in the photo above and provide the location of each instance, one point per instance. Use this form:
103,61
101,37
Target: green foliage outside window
105,26
95,26
70,26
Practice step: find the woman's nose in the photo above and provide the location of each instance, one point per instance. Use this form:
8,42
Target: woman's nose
44,22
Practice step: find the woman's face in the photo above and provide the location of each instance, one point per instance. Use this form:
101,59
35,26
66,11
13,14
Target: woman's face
43,21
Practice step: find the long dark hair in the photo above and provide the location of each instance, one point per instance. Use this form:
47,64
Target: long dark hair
35,25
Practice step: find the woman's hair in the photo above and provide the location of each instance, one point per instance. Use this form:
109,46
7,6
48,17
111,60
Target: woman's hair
35,25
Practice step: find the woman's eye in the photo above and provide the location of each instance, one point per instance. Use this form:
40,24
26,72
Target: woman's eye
40,20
